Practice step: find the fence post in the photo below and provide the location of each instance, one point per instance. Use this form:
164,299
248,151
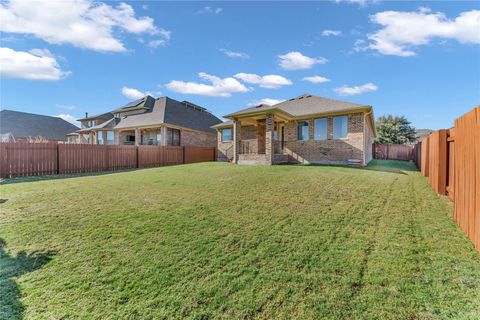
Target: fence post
58,158
136,156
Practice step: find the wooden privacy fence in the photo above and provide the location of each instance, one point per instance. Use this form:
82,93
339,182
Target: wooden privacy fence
393,151
23,159
450,158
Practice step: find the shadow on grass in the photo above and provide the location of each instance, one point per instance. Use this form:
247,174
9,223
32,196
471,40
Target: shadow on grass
59,176
390,166
11,268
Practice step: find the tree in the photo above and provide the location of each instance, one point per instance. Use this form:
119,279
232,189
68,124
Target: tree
394,129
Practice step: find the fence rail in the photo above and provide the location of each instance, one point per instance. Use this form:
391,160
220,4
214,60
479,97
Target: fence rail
451,161
21,159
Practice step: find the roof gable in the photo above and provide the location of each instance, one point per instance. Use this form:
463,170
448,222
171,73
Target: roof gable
304,105
170,111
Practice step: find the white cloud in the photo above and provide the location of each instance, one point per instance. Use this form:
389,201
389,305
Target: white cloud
266,101
233,54
271,81
69,118
316,79
328,33
296,61
350,91
37,64
157,43
210,10
133,93
218,88
81,23
66,106
403,31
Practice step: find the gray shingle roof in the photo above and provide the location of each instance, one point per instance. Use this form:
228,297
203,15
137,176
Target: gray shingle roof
105,116
23,124
303,105
105,125
173,112
146,102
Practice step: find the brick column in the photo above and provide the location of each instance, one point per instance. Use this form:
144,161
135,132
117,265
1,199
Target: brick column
90,137
104,136
236,140
80,138
116,137
269,147
330,128
137,136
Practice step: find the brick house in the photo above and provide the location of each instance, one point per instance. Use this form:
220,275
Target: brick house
305,129
149,121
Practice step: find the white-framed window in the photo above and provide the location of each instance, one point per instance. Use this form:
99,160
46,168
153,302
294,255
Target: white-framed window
302,130
340,127
110,137
99,137
226,134
320,129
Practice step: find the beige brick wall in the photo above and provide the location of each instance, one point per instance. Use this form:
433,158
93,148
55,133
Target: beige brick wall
197,139
334,151
330,151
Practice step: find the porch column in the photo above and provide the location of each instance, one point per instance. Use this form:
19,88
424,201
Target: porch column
116,137
163,136
236,140
137,136
80,138
90,137
104,136
269,146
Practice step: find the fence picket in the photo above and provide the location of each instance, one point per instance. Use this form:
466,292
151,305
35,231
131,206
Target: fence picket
27,159
451,160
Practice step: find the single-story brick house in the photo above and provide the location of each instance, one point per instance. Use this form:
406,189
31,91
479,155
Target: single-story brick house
150,121
305,129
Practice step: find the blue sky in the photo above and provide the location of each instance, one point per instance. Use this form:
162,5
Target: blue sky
418,59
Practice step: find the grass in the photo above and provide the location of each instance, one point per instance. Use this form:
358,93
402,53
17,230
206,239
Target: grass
214,240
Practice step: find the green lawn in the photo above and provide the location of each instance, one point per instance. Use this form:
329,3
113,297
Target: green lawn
214,240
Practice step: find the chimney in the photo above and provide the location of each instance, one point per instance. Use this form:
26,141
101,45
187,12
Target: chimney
86,114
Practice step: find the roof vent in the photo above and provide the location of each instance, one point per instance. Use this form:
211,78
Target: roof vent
193,106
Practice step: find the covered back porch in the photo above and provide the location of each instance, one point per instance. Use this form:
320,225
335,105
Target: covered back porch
259,139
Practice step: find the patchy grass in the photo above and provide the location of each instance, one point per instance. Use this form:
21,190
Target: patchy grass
214,240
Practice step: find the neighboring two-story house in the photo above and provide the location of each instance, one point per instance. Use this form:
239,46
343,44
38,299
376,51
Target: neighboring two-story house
305,129
149,121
